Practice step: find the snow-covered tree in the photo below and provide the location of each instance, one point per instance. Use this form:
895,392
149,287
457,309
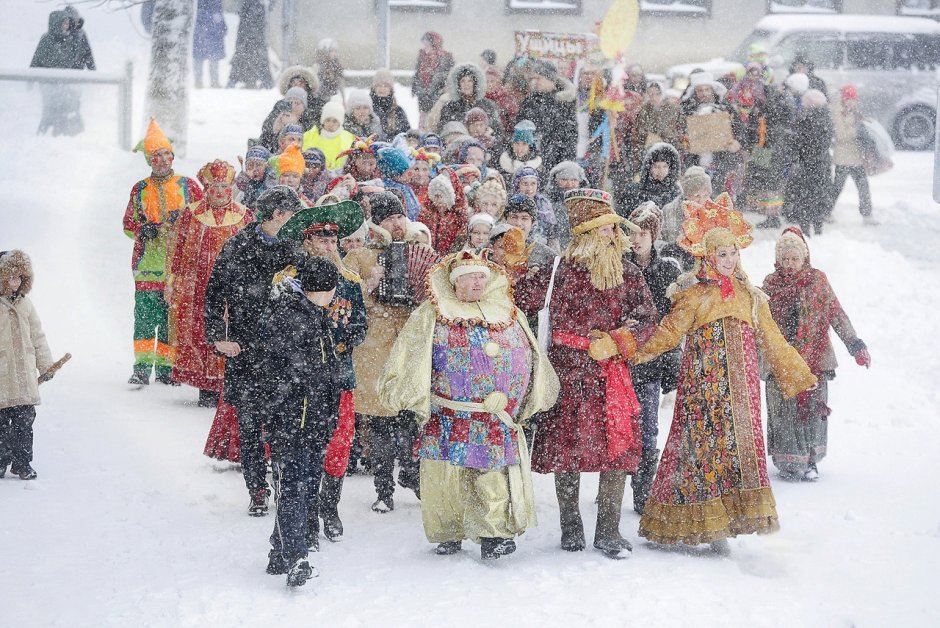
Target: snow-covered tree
168,86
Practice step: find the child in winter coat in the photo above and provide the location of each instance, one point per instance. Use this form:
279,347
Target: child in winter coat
25,360
547,228
521,151
303,387
255,177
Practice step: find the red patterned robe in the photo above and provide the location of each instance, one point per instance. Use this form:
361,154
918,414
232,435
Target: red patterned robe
573,436
198,236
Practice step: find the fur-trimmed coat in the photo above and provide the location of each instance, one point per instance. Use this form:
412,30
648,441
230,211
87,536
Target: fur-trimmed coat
24,353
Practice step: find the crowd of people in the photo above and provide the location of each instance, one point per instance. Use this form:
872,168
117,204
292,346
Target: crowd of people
528,270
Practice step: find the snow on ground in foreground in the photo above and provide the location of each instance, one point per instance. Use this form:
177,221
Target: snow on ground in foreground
129,524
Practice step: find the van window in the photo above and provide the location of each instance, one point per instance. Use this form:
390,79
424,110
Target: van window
822,48
871,51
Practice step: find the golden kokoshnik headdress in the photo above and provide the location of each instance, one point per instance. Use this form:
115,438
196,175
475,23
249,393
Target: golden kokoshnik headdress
713,224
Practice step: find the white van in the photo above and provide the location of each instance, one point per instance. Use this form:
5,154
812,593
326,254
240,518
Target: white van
893,61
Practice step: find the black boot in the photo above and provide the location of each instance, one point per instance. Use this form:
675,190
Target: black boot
25,472
607,536
493,548
300,572
448,548
773,222
329,507
567,488
208,399
139,378
642,480
276,564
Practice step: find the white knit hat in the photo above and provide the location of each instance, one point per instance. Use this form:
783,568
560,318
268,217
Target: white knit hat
798,82
791,240
333,109
479,217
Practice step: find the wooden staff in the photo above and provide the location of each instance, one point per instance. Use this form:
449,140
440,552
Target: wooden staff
52,370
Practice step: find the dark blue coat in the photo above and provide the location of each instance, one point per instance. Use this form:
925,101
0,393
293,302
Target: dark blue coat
209,31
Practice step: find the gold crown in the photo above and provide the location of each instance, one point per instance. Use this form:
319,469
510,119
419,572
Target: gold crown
718,218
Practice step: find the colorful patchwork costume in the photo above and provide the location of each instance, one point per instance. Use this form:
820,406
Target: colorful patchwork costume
154,201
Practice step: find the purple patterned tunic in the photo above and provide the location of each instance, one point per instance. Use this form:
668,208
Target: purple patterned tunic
462,371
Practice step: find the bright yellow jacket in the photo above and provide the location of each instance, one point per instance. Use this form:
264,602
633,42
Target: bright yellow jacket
331,146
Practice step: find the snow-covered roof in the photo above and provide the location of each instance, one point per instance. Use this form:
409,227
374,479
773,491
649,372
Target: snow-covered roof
850,23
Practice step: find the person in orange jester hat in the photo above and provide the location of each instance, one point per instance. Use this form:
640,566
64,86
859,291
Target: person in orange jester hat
712,479
153,206
196,239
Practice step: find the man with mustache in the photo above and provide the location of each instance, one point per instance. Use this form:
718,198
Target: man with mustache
600,309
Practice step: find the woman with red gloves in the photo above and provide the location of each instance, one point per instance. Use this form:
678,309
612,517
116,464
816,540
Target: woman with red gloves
804,306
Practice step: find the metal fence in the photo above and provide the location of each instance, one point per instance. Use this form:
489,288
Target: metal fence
123,82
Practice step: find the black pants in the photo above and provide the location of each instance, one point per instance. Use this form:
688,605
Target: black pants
393,437
298,467
251,413
16,436
861,183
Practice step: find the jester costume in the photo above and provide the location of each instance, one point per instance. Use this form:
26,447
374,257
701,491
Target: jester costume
151,211
471,372
712,480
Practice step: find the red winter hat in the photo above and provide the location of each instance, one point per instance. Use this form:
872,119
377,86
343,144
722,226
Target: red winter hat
477,114
849,92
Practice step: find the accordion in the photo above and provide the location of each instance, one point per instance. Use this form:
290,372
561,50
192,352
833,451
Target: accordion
406,267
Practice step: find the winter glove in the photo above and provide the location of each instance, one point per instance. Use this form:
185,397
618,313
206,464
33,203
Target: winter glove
602,346
148,231
862,358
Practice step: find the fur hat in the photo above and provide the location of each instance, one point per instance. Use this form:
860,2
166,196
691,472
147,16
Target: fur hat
385,205
441,185
333,110
694,180
567,170
392,162
791,238
545,69
297,93
476,114
383,77
703,78
453,127
358,98
16,263
490,188
797,82
298,71
648,218
317,274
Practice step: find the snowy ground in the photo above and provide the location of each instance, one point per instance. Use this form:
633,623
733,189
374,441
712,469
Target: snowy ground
129,524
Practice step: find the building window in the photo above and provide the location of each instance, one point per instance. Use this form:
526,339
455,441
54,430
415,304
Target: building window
804,6
676,8
919,8
433,6
565,7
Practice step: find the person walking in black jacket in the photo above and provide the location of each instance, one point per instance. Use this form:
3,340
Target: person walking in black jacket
302,391
236,297
551,106
663,372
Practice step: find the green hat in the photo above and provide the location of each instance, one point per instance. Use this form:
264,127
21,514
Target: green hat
344,218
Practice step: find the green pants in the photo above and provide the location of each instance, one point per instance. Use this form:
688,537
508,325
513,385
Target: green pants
151,342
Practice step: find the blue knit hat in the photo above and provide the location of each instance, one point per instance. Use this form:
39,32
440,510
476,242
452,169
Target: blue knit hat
288,129
521,173
258,152
314,156
392,162
524,131
432,140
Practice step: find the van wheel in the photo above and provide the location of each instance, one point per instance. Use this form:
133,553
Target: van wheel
914,128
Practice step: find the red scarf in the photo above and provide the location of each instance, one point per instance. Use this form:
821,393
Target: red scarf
710,274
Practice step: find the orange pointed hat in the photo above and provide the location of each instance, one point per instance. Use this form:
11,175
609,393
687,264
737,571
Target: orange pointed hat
154,140
291,160
713,224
